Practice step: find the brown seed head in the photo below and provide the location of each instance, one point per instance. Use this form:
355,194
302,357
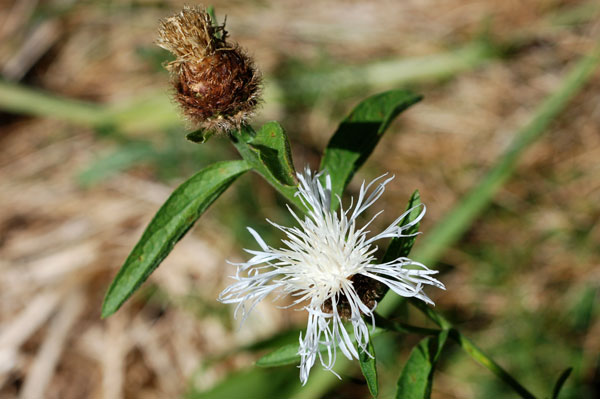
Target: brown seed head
216,83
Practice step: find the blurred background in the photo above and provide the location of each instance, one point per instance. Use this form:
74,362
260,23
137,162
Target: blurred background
91,145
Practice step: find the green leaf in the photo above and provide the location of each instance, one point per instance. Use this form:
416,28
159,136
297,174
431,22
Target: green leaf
268,152
417,376
200,136
255,383
401,246
169,225
288,354
369,368
273,149
359,133
560,382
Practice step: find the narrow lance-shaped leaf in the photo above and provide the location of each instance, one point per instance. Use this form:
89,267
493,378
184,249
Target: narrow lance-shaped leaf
358,134
417,375
368,367
168,226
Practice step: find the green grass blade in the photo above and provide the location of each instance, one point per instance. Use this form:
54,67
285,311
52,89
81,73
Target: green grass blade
119,160
467,345
306,86
322,381
169,225
450,229
20,99
459,219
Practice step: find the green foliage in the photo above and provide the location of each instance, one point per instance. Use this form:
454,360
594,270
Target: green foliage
368,366
255,383
288,354
273,150
358,134
284,355
401,246
268,152
199,136
417,375
169,225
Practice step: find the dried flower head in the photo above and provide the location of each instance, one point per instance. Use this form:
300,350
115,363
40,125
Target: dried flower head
216,83
329,269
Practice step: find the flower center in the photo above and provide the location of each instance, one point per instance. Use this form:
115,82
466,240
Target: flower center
369,292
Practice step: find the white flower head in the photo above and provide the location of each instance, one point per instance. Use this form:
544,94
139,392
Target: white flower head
329,269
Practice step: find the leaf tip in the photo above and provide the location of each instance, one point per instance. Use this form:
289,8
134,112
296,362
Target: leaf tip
108,307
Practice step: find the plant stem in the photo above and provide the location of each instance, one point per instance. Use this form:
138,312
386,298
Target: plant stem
397,326
468,346
472,350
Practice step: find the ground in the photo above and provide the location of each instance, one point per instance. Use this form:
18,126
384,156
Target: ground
80,181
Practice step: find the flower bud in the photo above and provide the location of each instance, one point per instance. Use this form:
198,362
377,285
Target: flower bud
216,83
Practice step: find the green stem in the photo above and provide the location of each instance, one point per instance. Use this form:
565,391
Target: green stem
466,344
472,349
210,10
397,326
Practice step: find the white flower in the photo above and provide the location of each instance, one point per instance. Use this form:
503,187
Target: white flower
328,267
